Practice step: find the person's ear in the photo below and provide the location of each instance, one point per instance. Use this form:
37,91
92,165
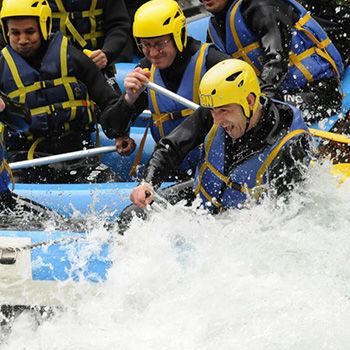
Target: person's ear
251,101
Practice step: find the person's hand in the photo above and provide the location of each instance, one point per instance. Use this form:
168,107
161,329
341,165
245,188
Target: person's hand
142,195
134,84
99,58
2,105
125,145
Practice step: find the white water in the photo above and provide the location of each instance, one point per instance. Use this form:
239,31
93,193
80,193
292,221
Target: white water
272,277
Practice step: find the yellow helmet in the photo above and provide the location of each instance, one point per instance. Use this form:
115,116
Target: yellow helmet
28,8
229,81
161,17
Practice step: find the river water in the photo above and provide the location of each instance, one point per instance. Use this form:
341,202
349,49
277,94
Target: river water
275,276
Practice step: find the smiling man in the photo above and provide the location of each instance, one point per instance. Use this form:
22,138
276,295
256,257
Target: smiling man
62,88
250,142
172,60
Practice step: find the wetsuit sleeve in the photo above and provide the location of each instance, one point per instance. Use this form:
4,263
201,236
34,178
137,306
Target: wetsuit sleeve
172,149
289,167
99,91
117,29
215,56
271,21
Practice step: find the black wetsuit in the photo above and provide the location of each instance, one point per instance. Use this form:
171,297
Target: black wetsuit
271,22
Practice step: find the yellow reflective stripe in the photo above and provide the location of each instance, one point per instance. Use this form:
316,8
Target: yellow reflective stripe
48,109
93,24
139,152
86,13
63,57
64,73
303,20
197,73
325,55
62,15
209,198
38,85
274,153
321,46
65,22
14,72
163,117
32,148
155,102
296,60
6,166
208,145
242,51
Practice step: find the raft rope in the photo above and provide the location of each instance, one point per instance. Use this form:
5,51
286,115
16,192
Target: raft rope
8,255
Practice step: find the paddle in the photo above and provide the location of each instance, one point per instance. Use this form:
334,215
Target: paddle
318,133
61,157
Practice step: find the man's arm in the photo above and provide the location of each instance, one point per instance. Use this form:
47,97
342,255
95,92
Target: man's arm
271,21
117,29
215,56
169,153
172,149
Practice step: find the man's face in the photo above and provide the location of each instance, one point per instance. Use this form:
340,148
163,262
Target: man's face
214,6
231,118
161,51
24,35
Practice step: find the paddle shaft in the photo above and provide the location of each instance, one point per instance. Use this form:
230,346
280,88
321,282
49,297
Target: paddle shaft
318,133
61,157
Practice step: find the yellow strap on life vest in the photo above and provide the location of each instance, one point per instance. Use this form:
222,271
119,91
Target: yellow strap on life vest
139,153
32,148
197,73
242,52
38,85
65,21
161,118
158,117
274,153
14,72
320,49
4,165
49,109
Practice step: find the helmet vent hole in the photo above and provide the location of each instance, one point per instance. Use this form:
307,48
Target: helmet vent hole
177,14
44,3
213,92
166,22
35,4
233,76
241,83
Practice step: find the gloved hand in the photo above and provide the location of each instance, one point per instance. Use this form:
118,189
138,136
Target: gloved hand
274,69
40,124
15,115
125,145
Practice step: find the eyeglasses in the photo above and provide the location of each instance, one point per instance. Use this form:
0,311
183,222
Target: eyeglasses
160,45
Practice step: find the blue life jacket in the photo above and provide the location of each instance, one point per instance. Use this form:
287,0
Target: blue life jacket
80,21
56,99
219,190
167,114
312,57
5,170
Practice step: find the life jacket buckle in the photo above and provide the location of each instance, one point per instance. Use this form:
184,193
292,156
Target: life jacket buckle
55,107
45,84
